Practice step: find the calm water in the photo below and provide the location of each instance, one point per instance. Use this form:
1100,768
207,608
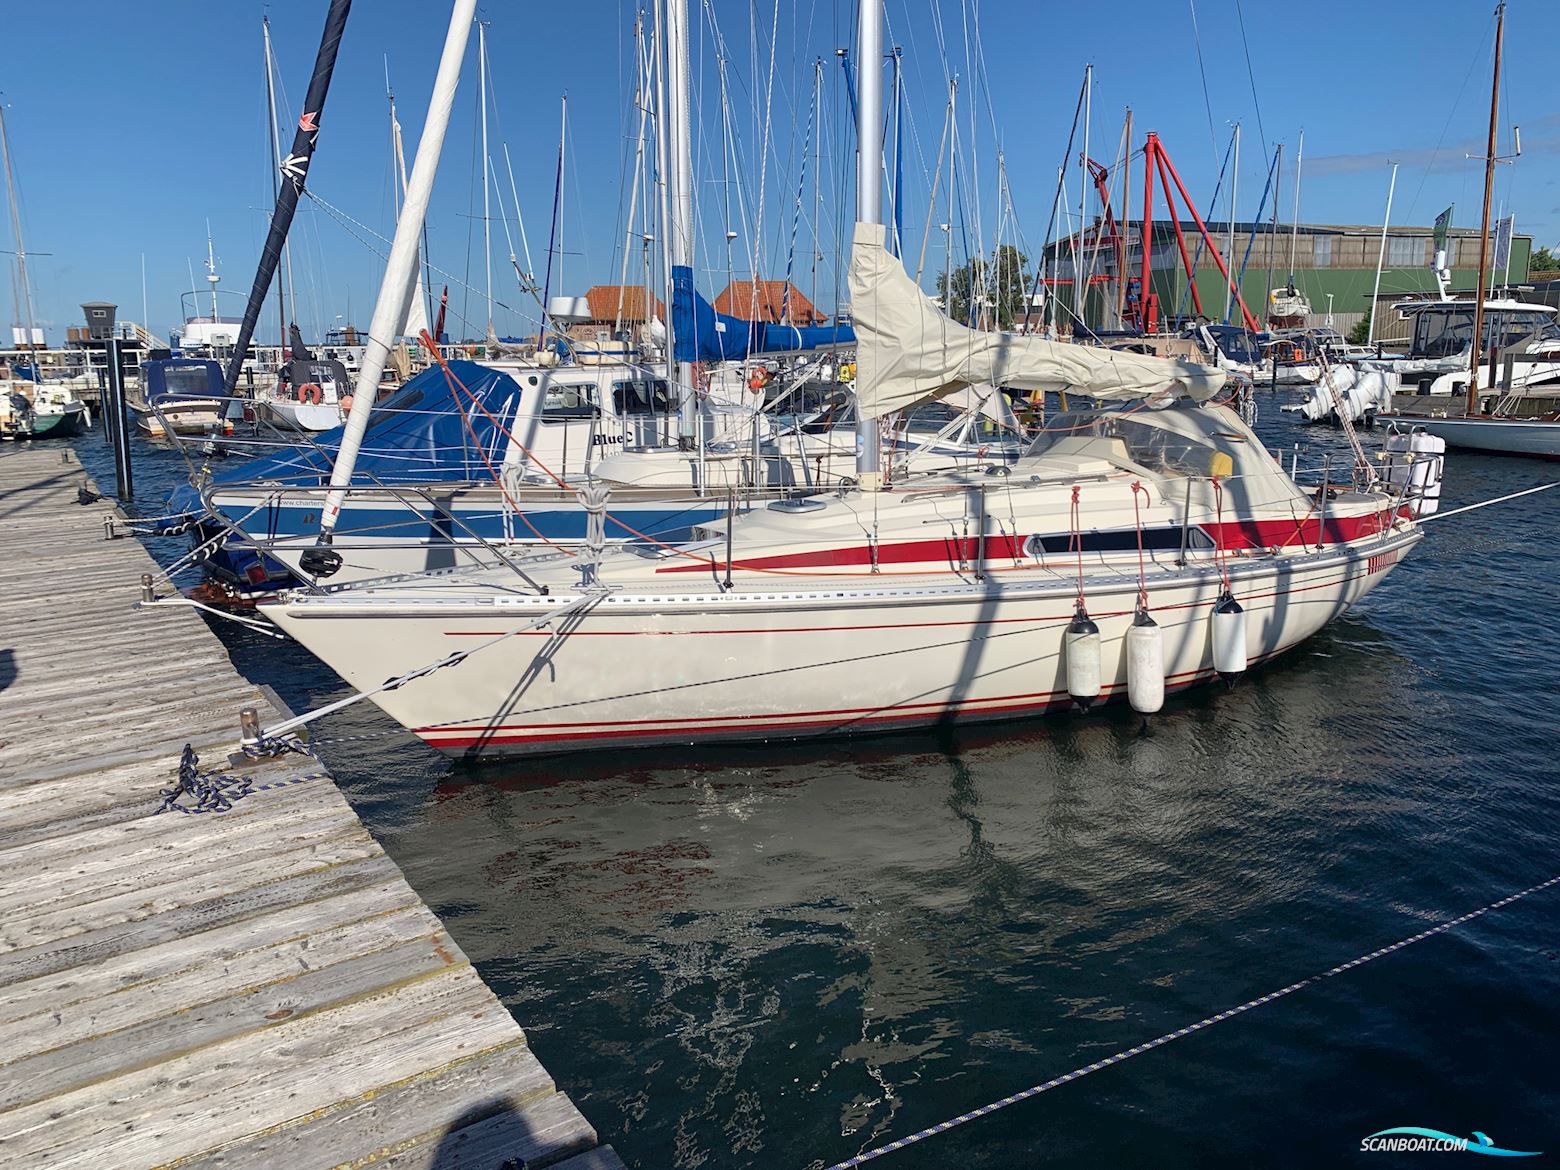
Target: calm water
779,956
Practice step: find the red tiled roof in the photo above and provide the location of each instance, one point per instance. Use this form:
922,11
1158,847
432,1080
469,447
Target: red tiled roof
608,301
763,301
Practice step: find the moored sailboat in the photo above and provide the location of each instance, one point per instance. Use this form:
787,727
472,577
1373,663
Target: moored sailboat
1135,549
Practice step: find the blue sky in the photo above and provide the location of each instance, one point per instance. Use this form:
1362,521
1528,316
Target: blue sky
132,125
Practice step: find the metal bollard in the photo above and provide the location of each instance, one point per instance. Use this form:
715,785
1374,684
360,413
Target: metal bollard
109,531
249,725
147,594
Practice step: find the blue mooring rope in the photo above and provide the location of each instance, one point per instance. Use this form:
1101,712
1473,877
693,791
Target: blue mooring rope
217,791
1206,1022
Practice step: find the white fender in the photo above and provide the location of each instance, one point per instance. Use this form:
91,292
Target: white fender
1145,664
1081,656
1229,637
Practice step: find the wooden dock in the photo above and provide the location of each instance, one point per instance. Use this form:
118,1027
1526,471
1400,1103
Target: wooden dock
251,988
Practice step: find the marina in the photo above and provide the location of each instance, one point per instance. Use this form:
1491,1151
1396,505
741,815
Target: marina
760,642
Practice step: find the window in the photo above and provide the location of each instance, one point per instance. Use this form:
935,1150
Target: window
1405,251
1118,540
1322,251
189,381
570,400
641,396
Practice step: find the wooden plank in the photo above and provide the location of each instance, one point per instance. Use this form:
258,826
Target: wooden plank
116,939
198,1102
206,954
415,1113
273,968
146,859
536,1136
117,1042
54,922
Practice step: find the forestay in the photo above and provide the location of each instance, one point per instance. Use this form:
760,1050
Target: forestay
907,350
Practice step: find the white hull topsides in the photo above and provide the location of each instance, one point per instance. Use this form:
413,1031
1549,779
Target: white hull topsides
955,611
1499,436
706,665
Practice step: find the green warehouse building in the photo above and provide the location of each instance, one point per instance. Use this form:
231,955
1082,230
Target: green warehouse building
1332,265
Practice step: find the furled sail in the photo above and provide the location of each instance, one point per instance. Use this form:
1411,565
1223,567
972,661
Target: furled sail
700,334
295,172
907,350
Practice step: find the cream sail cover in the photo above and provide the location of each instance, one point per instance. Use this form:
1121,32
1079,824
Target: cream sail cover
907,350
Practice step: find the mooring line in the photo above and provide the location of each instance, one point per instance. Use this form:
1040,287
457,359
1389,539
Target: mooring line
1543,487
1206,1022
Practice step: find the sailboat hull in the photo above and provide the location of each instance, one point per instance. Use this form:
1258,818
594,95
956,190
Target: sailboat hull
817,659
1497,436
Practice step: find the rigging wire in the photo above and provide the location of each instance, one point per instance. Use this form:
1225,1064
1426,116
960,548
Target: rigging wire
1251,75
1213,137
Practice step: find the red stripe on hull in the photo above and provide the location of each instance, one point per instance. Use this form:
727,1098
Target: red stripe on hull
955,554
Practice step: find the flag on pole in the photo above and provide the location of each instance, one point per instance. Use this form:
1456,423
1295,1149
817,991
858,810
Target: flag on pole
1503,230
1443,225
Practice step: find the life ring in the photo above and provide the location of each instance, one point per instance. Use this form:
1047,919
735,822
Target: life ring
346,403
311,393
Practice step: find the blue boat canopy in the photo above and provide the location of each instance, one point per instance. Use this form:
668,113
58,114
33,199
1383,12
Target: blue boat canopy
700,334
417,435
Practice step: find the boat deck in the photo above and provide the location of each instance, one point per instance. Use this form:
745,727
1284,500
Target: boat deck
251,988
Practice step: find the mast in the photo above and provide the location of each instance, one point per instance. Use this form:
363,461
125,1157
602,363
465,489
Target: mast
1080,277
1229,259
1294,223
641,102
1124,227
725,171
1472,406
680,157
554,244
1278,172
401,269
16,227
869,201
487,219
899,151
1381,257
276,148
212,278
416,319
295,169
818,182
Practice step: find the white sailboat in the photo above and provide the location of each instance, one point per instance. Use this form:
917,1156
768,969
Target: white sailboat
1135,549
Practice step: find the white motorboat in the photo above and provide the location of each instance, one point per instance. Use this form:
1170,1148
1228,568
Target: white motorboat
964,596
1440,354
181,396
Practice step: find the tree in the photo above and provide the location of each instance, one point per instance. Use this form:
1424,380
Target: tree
1360,334
1543,260
1000,288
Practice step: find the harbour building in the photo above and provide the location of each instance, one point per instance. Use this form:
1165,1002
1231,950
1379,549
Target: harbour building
1333,266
